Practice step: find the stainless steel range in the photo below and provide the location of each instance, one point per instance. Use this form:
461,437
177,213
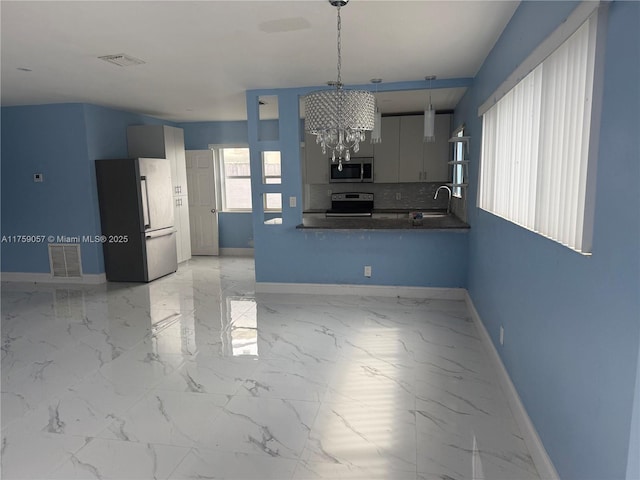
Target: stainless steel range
351,204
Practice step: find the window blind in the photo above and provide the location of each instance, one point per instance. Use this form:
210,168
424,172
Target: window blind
535,144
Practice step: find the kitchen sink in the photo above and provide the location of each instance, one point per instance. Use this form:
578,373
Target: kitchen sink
434,214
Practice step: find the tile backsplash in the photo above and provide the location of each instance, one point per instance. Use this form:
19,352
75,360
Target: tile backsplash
413,196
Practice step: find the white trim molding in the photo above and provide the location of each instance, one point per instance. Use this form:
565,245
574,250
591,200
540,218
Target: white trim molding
541,459
361,290
26,277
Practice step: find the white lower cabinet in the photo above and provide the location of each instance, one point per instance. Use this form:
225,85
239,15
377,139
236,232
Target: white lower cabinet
181,221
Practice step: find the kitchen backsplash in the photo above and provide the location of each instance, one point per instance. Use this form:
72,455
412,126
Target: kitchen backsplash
413,196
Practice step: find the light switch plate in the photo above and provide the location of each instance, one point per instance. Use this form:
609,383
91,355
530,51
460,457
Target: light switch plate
292,202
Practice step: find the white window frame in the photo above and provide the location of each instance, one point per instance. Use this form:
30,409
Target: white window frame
220,181
519,190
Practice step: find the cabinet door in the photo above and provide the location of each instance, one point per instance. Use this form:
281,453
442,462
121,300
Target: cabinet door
185,229
386,153
437,154
146,141
183,234
181,163
411,149
365,147
316,163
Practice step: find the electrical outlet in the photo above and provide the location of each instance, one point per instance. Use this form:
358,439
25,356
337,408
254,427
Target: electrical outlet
501,335
367,271
38,177
329,192
292,202
398,196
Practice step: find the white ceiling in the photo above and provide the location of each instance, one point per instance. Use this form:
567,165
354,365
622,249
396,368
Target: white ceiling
201,56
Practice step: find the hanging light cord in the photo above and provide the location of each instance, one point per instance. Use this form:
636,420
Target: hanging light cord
430,80
339,49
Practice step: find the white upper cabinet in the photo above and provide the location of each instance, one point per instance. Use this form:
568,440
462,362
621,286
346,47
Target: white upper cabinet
423,161
316,163
410,165
401,157
436,156
386,153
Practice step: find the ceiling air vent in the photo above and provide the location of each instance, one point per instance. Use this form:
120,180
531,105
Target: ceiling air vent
122,60
65,260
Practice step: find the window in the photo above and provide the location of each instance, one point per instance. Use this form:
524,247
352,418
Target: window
271,167
271,174
535,145
235,176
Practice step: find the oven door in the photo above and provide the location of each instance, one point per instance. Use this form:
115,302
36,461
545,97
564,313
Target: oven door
351,172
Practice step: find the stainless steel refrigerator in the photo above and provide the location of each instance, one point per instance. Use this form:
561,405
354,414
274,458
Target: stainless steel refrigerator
136,214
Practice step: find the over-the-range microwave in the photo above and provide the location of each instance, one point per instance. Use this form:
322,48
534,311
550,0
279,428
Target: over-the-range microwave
356,170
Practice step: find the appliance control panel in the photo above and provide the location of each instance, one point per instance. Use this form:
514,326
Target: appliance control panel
352,197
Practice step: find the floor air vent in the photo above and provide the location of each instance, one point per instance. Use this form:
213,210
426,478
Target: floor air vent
65,260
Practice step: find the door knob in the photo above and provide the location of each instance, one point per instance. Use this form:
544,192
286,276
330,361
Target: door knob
213,210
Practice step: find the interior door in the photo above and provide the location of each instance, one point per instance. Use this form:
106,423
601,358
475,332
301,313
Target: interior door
203,213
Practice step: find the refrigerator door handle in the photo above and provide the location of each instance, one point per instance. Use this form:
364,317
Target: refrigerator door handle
145,202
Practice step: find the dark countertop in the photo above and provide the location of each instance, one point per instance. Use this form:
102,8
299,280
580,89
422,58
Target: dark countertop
383,210
449,223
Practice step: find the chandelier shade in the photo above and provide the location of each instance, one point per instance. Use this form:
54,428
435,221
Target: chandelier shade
338,118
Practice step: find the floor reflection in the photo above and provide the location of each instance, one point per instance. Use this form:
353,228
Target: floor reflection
240,327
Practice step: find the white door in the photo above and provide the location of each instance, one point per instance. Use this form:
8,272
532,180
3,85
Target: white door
203,213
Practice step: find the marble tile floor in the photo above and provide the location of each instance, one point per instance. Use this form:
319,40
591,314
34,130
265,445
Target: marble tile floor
196,376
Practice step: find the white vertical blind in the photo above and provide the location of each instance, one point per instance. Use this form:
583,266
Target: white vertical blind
535,144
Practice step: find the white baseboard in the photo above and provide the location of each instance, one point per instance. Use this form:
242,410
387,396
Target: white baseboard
541,459
86,279
236,252
362,290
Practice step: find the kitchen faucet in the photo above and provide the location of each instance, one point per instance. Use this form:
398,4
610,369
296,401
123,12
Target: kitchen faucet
449,201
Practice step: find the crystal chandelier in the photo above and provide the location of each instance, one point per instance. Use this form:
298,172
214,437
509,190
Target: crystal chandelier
338,117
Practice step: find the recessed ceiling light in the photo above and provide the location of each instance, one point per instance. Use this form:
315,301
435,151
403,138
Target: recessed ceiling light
23,69
122,60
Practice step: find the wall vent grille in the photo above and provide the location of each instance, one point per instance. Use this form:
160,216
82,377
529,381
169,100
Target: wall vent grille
65,260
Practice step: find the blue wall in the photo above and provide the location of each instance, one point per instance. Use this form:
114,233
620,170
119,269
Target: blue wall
572,322
62,142
235,230
199,135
